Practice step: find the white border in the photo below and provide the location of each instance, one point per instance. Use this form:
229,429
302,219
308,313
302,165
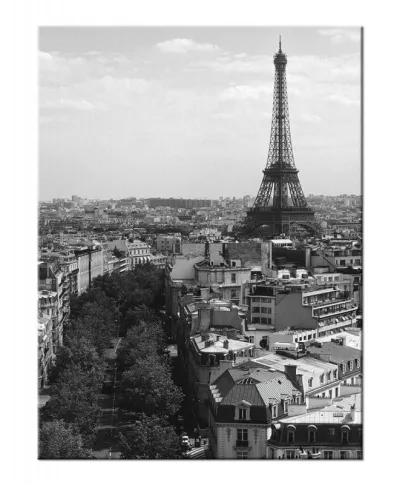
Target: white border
19,42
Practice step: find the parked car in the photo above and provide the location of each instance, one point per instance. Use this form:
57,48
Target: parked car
185,441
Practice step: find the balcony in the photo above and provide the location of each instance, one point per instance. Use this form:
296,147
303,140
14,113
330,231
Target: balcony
242,444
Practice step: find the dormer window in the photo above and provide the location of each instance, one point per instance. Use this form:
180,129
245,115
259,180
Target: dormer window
350,365
343,368
274,411
310,382
335,374
322,378
242,410
329,375
285,406
358,363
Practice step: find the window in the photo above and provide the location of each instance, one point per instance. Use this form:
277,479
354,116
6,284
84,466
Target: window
290,435
343,368
331,432
242,413
274,411
330,394
312,435
264,309
268,300
255,320
310,382
256,309
328,455
251,340
343,455
269,311
329,376
242,435
285,406
264,320
233,278
290,454
322,378
357,363
345,436
335,374
359,455
242,455
336,392
269,321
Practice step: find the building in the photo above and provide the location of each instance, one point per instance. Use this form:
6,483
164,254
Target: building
331,432
179,203
169,243
208,356
45,346
319,379
48,307
54,285
90,264
348,360
243,403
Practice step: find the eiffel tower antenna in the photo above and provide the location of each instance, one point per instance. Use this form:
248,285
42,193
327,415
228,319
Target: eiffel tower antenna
280,202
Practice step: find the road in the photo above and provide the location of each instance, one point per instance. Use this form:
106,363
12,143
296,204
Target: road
106,445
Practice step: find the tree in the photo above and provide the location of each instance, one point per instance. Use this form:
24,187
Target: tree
76,350
60,440
141,341
74,398
148,388
150,438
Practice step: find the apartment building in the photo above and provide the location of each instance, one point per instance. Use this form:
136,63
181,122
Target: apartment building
331,432
243,403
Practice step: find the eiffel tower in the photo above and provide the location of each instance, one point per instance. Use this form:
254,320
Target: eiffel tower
272,207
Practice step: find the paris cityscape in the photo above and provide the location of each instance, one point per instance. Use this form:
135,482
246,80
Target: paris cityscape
214,310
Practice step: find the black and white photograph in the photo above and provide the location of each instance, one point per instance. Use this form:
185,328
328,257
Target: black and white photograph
200,243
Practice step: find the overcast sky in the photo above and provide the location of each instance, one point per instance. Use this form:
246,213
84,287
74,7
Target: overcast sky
186,112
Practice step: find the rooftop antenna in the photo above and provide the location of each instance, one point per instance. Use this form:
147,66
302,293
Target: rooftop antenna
280,44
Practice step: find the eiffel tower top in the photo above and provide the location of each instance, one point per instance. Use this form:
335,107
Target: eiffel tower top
280,56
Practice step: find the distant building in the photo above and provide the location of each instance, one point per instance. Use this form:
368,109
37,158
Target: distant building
179,203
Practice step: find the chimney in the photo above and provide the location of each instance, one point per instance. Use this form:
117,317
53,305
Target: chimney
290,371
226,344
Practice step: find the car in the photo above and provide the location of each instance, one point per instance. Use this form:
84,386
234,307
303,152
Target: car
185,441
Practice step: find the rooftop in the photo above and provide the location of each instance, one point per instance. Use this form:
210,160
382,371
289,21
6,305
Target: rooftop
338,353
339,412
218,345
307,366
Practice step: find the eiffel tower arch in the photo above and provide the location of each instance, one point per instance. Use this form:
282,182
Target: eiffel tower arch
280,201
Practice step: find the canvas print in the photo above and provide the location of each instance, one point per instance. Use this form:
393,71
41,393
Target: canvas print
200,243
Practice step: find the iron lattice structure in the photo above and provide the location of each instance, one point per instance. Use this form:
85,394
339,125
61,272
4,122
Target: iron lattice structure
272,206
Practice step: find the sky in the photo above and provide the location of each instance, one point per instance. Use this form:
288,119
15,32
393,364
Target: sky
186,112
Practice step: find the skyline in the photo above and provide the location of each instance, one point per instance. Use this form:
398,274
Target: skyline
193,101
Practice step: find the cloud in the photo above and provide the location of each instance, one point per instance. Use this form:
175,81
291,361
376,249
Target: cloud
339,36
311,118
182,46
238,63
246,92
341,99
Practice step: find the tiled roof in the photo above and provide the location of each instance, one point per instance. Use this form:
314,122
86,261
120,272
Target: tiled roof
338,353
